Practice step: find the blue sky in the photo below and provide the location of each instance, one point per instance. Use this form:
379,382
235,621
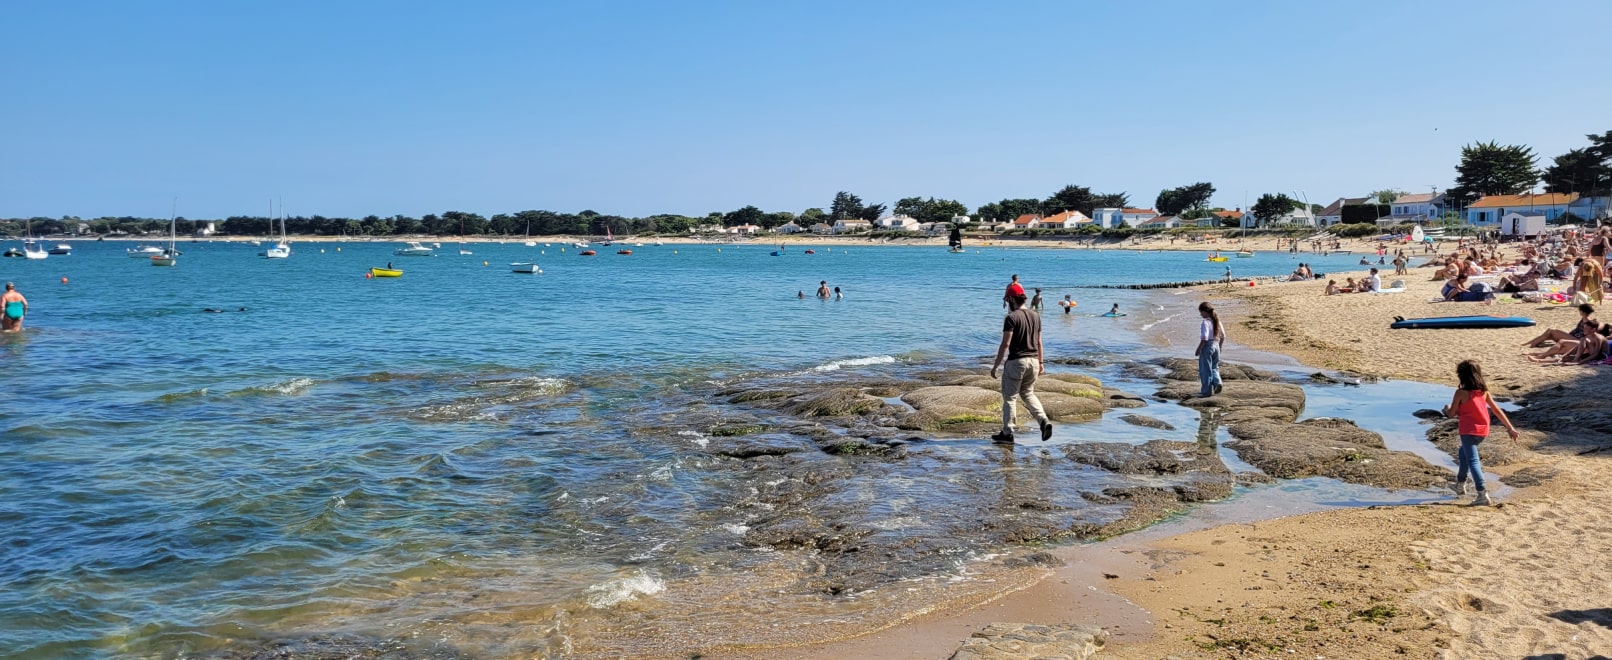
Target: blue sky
351,108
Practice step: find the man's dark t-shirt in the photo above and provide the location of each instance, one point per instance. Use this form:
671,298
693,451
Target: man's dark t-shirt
1026,328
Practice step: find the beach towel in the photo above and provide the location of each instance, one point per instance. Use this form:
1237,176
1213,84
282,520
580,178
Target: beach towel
1397,289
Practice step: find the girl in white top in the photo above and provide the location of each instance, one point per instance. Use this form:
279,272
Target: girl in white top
1211,338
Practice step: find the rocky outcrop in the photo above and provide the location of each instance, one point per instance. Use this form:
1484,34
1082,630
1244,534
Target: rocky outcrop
1187,369
1240,400
1336,448
1063,641
1149,422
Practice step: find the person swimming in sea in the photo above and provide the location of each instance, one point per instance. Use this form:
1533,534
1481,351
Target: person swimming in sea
801,295
838,295
1067,304
1114,311
822,290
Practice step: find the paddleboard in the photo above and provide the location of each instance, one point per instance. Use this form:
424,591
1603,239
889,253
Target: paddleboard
1114,315
1461,322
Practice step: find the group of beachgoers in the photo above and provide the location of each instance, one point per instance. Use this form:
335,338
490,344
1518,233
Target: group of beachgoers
823,292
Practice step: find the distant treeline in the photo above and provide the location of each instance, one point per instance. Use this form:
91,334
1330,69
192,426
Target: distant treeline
451,223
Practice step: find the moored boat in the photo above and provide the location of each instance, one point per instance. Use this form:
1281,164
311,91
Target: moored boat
385,272
623,251
62,248
522,267
413,249
587,253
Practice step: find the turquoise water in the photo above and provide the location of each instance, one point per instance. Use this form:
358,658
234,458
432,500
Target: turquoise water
486,462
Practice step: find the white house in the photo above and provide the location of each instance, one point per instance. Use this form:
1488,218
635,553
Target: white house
1106,218
898,222
1065,220
790,227
1027,221
746,229
822,228
851,226
1489,209
1135,217
1161,222
1418,207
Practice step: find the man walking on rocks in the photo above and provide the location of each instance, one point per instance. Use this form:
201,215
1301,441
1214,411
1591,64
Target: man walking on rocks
1021,346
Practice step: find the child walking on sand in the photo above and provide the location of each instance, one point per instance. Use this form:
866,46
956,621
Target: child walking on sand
1471,405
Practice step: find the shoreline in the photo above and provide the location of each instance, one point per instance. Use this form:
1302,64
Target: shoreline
1435,580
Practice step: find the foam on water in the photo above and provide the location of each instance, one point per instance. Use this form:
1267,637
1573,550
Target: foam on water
620,590
855,362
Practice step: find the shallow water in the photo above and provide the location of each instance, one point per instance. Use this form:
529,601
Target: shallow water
468,460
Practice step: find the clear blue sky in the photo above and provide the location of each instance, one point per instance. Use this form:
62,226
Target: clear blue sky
349,108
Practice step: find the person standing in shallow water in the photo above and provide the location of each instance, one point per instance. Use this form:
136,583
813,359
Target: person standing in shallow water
1211,338
1035,302
1021,350
1471,406
15,307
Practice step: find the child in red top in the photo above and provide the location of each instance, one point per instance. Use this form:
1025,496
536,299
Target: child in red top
1471,405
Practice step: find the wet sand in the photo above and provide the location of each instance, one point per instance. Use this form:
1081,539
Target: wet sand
1438,580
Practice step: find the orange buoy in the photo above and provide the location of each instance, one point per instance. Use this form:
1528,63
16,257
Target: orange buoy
64,280
368,275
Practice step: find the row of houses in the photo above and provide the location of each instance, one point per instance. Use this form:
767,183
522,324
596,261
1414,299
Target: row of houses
1487,212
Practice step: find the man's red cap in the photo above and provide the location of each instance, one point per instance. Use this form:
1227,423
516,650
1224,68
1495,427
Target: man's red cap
1015,289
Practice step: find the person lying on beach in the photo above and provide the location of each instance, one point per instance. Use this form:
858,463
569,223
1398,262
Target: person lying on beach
1471,268
1587,350
1586,313
1525,281
1563,270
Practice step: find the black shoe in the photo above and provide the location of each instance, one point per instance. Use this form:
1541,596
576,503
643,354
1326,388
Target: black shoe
1046,431
1219,388
1002,438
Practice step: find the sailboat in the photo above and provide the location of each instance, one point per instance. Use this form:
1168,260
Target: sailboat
282,248
529,241
31,248
170,256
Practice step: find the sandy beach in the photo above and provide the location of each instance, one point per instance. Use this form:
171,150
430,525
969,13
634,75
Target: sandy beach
1441,580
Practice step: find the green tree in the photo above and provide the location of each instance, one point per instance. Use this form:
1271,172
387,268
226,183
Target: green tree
1387,195
776,219
845,206
1070,198
1182,200
1587,171
1270,207
1111,201
1492,169
1009,210
748,215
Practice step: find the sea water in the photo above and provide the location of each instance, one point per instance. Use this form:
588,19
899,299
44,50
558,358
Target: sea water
467,460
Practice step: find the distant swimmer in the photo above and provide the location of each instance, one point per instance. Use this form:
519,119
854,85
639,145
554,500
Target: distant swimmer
822,290
838,295
801,295
15,306
210,310
1035,301
1067,304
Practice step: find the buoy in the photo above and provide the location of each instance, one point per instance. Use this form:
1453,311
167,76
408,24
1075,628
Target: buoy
64,280
674,251
321,250
1250,283
338,248
368,274
484,262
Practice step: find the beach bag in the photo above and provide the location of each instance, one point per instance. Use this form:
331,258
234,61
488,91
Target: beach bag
1581,298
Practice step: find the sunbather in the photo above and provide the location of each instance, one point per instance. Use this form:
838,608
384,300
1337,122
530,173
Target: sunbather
1586,313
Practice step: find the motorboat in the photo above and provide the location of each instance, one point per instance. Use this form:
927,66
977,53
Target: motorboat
62,248
385,272
1216,259
413,249
530,244
13,252
637,244
623,251
437,245
33,250
143,251
580,244
1245,254
587,253
522,267
463,252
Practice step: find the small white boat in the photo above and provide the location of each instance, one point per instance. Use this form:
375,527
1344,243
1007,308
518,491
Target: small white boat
463,251
530,244
437,245
143,251
62,248
33,250
637,244
659,243
279,251
580,244
413,249
522,267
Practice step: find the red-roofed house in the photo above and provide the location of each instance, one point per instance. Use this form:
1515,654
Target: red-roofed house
1027,221
1218,218
1065,220
1136,217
